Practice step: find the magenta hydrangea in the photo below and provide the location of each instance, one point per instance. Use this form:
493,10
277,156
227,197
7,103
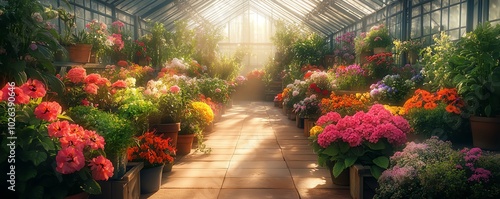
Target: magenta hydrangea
329,118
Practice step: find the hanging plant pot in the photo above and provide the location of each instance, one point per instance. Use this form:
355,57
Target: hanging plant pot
151,179
168,131
485,132
80,53
184,144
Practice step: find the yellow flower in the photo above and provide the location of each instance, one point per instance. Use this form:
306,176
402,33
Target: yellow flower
315,130
204,110
395,110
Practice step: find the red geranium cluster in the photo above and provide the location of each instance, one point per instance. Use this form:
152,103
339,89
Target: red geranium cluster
22,94
153,150
314,87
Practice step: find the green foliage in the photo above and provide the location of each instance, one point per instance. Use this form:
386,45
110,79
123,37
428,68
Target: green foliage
214,88
82,37
207,37
227,68
435,66
378,37
476,69
443,176
157,45
181,42
434,122
117,131
309,50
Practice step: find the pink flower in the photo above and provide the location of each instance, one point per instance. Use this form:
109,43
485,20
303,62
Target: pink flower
119,84
329,118
72,141
34,88
58,129
19,96
76,75
103,82
37,17
92,78
217,90
175,89
85,102
479,175
102,168
91,88
48,111
352,137
94,140
33,46
401,123
118,24
69,160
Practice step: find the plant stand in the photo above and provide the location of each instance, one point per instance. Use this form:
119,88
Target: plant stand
128,187
361,182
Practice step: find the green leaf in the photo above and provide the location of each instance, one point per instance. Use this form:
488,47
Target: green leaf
344,147
376,146
338,168
350,161
487,110
331,151
46,143
36,157
91,186
376,171
29,172
381,161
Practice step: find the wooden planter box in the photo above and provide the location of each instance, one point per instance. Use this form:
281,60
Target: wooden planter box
308,124
128,187
362,183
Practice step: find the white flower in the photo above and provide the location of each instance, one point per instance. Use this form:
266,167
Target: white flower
37,17
312,97
295,93
289,86
297,81
130,81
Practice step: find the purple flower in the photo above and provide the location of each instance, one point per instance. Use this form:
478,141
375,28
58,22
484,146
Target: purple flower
33,46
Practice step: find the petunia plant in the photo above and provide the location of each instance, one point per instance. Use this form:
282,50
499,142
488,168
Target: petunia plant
151,149
54,157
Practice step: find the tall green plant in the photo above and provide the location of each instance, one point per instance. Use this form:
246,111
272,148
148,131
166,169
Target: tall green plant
207,37
158,45
181,42
310,50
435,65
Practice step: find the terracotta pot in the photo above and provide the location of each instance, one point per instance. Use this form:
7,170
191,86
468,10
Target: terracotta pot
168,131
485,132
184,144
82,195
151,179
80,53
308,124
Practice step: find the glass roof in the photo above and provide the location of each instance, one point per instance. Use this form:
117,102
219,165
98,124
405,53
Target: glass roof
322,16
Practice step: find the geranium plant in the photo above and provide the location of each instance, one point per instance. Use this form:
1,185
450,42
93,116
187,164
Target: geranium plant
367,138
379,65
352,77
58,157
151,149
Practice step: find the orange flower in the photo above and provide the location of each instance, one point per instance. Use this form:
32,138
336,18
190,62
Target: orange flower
430,106
452,109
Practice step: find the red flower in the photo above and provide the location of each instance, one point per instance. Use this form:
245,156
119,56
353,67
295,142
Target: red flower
175,89
102,168
103,82
94,140
69,160
48,111
325,92
91,88
19,96
58,129
72,141
34,88
119,84
92,78
76,75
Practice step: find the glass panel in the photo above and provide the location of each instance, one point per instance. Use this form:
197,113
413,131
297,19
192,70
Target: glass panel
494,10
426,24
427,7
79,2
435,21
446,2
415,11
94,5
444,19
88,15
415,27
454,16
416,2
454,34
462,32
80,24
79,12
454,1
463,21
436,4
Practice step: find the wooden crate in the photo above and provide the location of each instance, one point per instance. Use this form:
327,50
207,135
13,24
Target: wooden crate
128,187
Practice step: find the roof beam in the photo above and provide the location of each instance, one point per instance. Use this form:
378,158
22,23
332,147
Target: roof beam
160,6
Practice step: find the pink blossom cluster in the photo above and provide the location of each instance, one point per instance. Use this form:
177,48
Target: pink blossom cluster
398,174
22,94
372,126
329,118
116,41
471,156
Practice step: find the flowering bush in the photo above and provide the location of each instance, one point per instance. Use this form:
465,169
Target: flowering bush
174,67
293,93
215,88
345,104
308,108
435,114
344,48
51,149
379,65
392,89
368,138
255,74
352,77
378,36
197,116
99,34
319,84
433,169
168,99
151,149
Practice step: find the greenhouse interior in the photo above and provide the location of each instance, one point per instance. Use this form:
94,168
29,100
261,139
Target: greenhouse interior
238,99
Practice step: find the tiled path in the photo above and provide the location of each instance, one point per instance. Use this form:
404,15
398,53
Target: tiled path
257,153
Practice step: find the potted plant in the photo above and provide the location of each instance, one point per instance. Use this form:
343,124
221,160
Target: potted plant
361,48
308,109
155,152
434,114
81,48
117,131
366,138
434,169
352,77
62,158
195,118
378,39
98,34
393,89
476,73
410,47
